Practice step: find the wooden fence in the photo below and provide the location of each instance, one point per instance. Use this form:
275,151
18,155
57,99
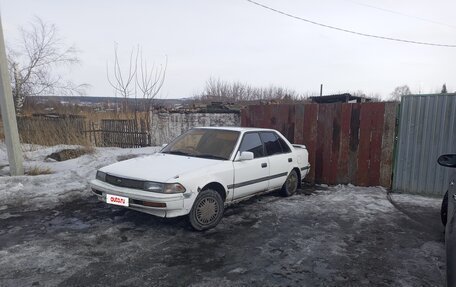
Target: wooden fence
124,133
347,143
69,129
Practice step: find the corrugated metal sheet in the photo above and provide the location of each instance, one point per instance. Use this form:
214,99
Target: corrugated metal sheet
427,129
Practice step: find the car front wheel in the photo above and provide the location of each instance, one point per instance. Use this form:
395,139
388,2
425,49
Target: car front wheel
444,209
207,210
291,184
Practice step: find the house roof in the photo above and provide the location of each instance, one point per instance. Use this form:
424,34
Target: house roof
339,98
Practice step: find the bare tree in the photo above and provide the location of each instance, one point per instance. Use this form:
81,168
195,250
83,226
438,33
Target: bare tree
33,60
138,80
399,92
217,90
150,80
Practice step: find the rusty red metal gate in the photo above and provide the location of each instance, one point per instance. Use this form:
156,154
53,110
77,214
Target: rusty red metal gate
347,143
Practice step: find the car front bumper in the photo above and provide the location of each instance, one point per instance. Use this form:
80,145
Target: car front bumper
173,204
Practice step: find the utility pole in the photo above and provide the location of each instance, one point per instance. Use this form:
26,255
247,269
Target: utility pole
321,90
13,146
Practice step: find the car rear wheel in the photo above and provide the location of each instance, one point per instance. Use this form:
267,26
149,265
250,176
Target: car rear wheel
444,209
291,184
207,210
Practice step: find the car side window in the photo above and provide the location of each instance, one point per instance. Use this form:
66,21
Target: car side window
271,142
285,147
252,142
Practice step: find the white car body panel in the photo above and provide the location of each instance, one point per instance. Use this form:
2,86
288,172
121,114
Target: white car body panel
278,169
158,167
245,171
239,179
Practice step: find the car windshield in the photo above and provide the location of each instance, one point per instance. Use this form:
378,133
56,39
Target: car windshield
204,143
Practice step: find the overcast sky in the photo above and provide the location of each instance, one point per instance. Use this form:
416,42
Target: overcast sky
235,40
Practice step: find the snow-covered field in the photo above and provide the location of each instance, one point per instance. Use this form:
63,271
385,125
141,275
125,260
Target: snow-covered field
69,179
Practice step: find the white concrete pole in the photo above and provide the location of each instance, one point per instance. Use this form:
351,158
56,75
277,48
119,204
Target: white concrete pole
13,146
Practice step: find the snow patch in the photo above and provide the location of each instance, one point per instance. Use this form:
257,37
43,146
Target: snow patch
417,200
70,178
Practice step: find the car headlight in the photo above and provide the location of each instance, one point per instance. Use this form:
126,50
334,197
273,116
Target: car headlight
101,175
153,186
164,187
173,188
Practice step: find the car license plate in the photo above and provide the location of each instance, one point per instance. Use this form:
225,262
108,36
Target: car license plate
116,200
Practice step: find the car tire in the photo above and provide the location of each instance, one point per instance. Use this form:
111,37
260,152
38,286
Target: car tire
291,184
444,209
207,210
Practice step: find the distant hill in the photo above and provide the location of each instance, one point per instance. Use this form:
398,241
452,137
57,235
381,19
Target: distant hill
100,101
38,104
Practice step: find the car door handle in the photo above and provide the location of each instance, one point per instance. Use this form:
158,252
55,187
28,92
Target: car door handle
263,165
290,159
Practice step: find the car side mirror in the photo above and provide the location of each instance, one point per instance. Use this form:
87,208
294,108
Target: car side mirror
447,160
246,155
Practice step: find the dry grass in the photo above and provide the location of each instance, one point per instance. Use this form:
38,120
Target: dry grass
37,170
52,131
88,149
67,130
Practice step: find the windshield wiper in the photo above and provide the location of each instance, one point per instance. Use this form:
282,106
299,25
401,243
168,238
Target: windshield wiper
210,156
177,152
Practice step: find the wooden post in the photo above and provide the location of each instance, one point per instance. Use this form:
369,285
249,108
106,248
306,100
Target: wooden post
94,134
13,145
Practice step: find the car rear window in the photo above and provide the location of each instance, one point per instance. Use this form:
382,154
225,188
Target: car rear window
284,145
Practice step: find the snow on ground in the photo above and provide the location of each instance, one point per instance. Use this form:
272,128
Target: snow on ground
327,236
69,179
419,200
324,236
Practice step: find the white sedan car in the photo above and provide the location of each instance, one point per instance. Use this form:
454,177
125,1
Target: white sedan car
202,171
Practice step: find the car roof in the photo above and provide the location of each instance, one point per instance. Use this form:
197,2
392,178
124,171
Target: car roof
237,129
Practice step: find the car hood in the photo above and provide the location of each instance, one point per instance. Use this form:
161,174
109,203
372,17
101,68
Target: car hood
158,167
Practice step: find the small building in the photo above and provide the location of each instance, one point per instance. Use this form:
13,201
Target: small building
340,98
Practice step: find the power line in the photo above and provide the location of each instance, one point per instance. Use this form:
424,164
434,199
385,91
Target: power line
401,14
351,31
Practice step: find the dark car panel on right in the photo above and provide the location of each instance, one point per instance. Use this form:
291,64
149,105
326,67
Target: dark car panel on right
448,218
